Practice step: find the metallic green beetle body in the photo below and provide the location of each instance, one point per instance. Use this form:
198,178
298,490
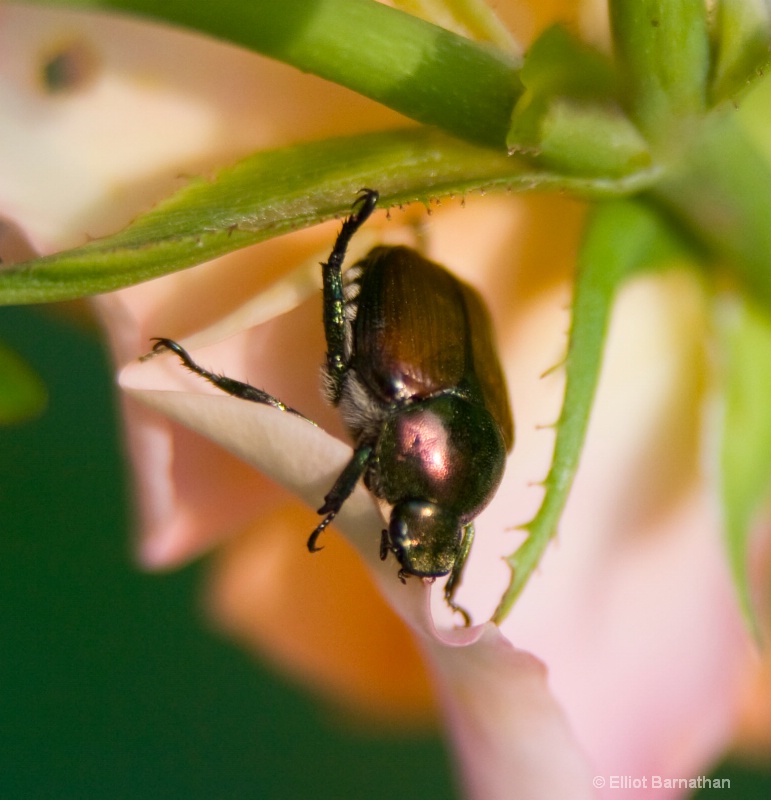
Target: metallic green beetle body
412,365
421,390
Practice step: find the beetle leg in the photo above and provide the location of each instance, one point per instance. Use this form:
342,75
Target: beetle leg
453,582
236,388
385,545
341,491
334,301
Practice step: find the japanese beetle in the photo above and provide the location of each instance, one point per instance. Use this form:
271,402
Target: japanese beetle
412,365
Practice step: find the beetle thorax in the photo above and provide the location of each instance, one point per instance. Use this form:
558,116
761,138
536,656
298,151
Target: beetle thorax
443,449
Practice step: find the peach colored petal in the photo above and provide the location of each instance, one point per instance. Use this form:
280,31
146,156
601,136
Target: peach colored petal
753,735
528,19
320,618
192,494
202,494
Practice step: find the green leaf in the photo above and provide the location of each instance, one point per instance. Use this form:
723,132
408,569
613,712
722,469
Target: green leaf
559,64
664,52
23,395
421,70
622,237
745,450
568,117
719,190
590,139
274,192
743,37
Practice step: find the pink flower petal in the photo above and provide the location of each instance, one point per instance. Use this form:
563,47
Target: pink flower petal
632,607
511,736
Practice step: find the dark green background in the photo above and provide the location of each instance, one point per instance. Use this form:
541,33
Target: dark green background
110,685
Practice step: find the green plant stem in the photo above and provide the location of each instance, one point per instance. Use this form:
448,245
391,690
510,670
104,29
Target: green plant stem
278,191
425,72
719,191
664,52
621,237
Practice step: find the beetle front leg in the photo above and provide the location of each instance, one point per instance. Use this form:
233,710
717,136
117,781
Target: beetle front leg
453,582
244,391
334,300
341,491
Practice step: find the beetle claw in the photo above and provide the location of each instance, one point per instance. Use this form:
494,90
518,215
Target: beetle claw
317,532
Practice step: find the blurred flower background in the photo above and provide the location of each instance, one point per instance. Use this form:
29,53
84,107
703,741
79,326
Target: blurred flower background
116,683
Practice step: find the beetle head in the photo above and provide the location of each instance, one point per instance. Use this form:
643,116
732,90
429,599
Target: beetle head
424,537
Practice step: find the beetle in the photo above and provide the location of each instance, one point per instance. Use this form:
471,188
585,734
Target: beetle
412,366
